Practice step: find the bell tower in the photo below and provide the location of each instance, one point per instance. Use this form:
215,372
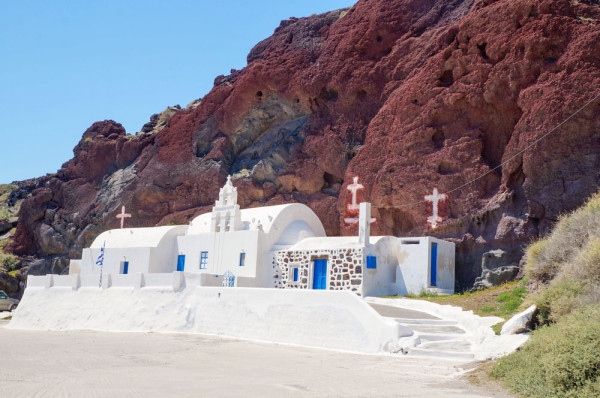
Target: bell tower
226,212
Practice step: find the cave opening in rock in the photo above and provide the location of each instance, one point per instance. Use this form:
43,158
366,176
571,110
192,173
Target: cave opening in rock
446,80
438,139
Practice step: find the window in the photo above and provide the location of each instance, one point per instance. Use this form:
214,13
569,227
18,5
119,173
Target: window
203,260
125,267
2,296
242,259
294,274
371,262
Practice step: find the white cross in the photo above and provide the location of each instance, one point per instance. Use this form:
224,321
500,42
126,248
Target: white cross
354,189
122,216
435,199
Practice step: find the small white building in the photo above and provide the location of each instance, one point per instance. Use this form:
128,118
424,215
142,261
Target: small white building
282,246
368,266
130,250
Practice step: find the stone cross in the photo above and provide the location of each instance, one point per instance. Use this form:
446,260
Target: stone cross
434,219
122,216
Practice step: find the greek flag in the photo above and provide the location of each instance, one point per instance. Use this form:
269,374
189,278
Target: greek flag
100,262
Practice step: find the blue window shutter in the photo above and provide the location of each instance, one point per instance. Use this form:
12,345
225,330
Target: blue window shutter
371,262
242,259
295,274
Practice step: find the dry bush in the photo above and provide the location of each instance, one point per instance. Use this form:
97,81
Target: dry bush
574,243
559,361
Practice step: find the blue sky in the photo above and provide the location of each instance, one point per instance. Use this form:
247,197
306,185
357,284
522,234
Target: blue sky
67,64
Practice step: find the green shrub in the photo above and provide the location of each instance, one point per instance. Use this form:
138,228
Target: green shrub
535,266
587,265
8,261
559,299
4,214
5,190
562,357
561,360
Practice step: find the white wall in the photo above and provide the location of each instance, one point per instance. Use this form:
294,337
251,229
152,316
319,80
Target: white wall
382,280
415,266
328,319
404,268
156,253
224,250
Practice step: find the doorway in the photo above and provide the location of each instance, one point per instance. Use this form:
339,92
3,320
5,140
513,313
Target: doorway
434,250
320,274
180,262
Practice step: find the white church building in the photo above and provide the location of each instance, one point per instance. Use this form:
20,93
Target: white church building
282,246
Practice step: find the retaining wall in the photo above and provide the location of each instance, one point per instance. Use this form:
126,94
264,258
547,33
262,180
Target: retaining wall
176,303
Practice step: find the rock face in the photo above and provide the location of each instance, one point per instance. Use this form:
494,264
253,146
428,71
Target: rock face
407,95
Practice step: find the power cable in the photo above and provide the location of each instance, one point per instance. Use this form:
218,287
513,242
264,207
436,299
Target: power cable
501,164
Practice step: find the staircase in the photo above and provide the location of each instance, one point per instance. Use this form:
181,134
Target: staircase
435,337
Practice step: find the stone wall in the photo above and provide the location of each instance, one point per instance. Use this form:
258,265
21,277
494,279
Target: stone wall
344,267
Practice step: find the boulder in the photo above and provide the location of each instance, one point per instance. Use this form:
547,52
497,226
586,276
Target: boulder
8,283
494,270
519,323
496,277
49,240
5,226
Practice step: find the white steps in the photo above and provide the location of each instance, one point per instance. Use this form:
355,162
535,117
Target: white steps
435,337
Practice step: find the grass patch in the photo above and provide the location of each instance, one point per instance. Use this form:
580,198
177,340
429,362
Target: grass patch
423,294
503,301
511,300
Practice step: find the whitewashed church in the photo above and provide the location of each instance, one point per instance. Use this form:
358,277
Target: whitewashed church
281,246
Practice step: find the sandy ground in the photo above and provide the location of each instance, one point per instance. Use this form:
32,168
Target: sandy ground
101,364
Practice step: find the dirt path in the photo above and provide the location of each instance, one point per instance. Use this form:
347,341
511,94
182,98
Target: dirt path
99,364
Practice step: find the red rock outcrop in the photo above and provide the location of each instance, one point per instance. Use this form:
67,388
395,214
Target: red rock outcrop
408,95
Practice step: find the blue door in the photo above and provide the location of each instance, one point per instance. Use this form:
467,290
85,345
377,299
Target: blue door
125,267
433,264
180,262
320,274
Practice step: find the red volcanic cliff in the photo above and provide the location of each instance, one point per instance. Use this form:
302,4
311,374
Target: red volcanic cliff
407,95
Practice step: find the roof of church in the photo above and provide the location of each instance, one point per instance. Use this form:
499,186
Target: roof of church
268,217
333,242
136,237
